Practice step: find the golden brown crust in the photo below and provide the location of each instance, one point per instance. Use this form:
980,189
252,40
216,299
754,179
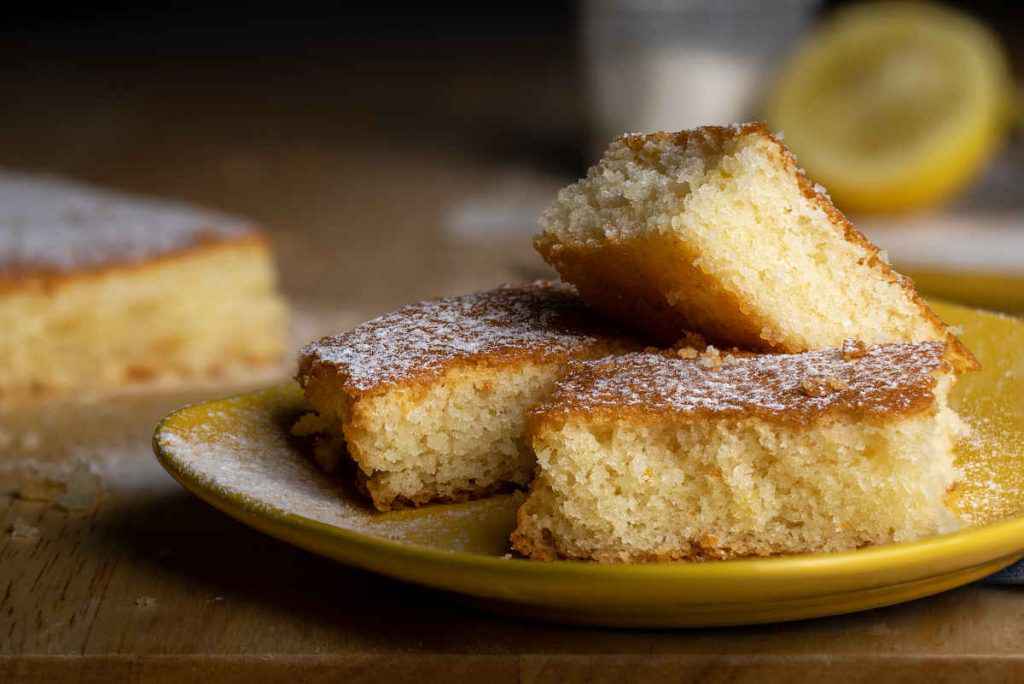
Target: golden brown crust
638,294
959,355
23,277
870,383
718,312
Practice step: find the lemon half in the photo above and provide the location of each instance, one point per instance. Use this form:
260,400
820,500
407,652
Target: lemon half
894,106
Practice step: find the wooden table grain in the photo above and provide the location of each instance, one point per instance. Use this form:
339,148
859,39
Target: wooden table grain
109,571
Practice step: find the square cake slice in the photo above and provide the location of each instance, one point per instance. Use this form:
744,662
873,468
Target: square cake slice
717,230
647,457
430,400
100,289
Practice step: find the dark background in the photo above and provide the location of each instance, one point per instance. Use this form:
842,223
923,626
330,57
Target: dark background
348,134
502,79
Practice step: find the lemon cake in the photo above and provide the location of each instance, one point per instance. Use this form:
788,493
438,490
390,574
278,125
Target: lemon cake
430,400
647,457
99,289
718,230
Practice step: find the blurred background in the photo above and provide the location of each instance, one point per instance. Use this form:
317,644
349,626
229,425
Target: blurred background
405,151
402,151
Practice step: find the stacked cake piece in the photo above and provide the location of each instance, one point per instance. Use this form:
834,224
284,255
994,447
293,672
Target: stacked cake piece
825,426
718,230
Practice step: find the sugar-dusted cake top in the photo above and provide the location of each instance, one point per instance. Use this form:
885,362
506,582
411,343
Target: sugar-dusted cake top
51,225
877,381
540,320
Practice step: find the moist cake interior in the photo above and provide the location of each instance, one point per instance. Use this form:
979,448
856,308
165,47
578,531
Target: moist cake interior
645,457
717,230
431,399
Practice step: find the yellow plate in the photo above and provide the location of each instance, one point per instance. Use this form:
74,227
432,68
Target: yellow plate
236,455
1000,291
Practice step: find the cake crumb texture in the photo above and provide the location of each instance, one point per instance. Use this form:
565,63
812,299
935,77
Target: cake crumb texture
430,401
718,230
650,457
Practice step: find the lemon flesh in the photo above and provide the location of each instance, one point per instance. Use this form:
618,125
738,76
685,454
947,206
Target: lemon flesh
894,106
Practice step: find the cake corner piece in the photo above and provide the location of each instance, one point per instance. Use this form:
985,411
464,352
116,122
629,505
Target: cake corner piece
717,229
430,400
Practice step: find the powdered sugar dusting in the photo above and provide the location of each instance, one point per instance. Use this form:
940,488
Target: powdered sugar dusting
993,485
892,378
55,225
541,318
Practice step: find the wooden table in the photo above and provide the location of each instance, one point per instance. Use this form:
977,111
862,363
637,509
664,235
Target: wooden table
124,576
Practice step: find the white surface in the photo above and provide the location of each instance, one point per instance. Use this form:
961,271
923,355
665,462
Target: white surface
965,242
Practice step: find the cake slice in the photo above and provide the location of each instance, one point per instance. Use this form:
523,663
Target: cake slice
647,457
430,400
99,289
718,230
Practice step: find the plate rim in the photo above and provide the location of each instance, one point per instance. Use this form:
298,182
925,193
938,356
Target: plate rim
978,544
